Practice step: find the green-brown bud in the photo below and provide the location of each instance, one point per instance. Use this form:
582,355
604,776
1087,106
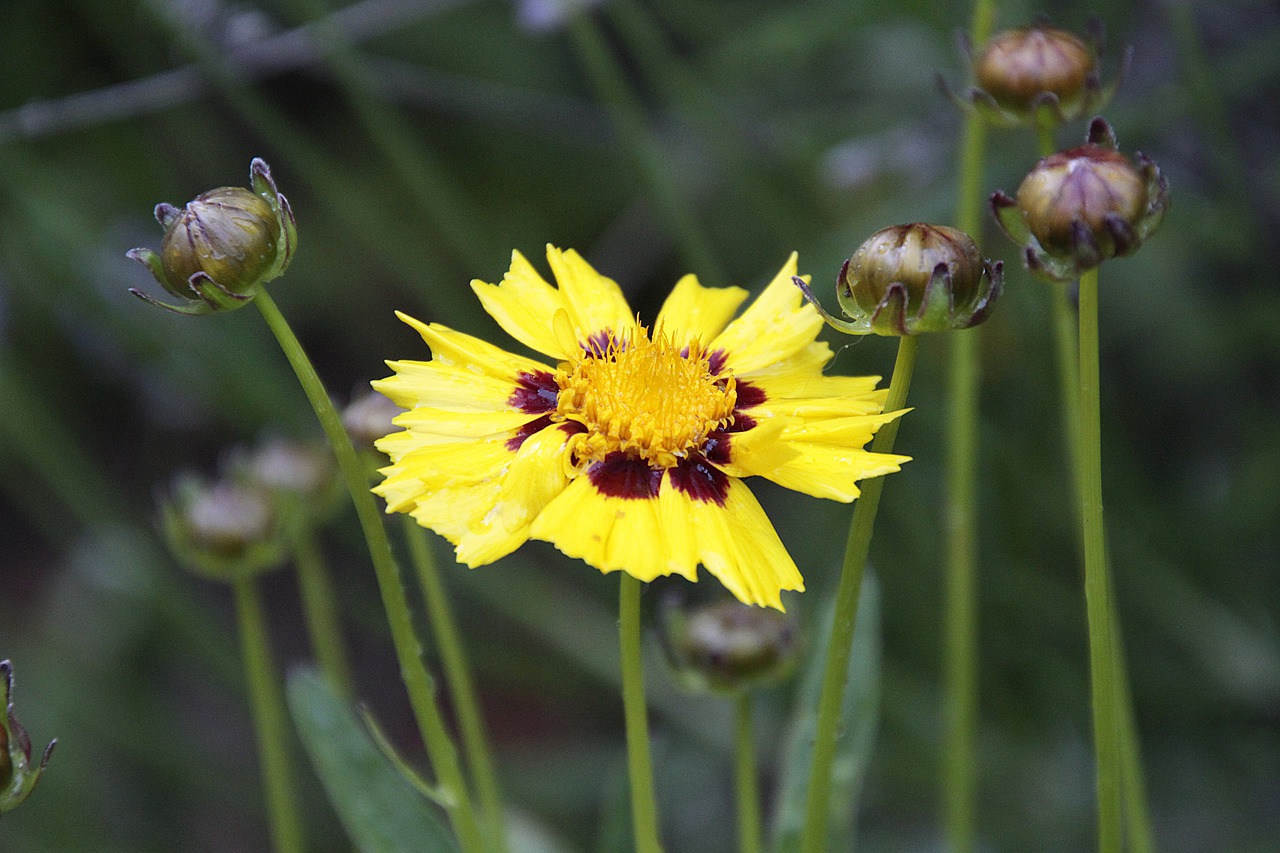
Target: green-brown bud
18,776
222,246
728,646
1077,208
908,279
1039,75
224,530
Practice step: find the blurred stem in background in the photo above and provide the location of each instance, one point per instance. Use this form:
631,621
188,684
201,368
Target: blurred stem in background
418,682
270,719
960,655
462,690
747,788
644,810
320,609
818,795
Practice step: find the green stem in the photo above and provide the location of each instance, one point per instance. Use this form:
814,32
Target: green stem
320,610
960,613
1097,584
841,641
457,674
644,811
417,681
745,776
267,699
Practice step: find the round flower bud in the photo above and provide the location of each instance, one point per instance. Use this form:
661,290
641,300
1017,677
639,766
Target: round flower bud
229,234
1038,75
224,530
299,477
1018,65
728,646
18,776
1077,208
222,246
914,278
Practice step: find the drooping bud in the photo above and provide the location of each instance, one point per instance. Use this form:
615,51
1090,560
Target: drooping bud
18,776
908,279
224,530
728,647
1077,208
1039,75
222,246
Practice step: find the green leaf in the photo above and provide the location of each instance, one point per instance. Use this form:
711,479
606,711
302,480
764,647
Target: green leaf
379,808
857,726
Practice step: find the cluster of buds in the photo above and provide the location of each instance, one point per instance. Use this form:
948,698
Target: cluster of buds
1077,208
1038,76
224,245
728,647
908,279
18,776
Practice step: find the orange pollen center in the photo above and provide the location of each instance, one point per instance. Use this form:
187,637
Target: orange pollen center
646,398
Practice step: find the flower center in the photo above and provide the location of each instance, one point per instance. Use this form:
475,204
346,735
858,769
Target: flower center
647,398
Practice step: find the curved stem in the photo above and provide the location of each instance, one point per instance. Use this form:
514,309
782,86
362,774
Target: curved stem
1097,584
267,699
818,795
417,681
644,811
320,610
745,778
457,673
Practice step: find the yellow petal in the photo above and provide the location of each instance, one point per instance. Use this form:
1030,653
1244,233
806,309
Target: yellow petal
450,347
696,312
831,472
523,305
595,303
775,327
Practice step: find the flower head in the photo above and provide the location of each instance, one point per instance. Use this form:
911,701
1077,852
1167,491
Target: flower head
222,246
908,279
1077,208
727,647
224,529
629,452
1038,75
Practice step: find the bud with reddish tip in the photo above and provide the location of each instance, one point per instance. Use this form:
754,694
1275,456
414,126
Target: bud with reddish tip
1077,208
225,244
1038,75
18,776
908,279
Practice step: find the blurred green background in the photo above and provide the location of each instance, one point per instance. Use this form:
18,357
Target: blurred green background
419,142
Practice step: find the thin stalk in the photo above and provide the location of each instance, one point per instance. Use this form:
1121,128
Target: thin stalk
625,110
644,810
1097,584
840,644
1137,817
960,609
417,681
320,609
745,778
267,699
457,674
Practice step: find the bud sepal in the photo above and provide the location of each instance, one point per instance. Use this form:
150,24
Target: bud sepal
18,776
222,246
1080,207
909,279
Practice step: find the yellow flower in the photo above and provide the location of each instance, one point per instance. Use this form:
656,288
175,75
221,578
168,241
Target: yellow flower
630,453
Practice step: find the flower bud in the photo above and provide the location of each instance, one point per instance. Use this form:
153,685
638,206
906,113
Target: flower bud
728,646
1039,75
18,776
225,244
224,530
914,278
1077,208
298,476
370,417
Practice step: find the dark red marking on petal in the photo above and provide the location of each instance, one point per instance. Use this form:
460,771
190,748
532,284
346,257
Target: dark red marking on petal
522,434
700,480
535,393
749,395
621,476
716,447
715,361
741,423
603,343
